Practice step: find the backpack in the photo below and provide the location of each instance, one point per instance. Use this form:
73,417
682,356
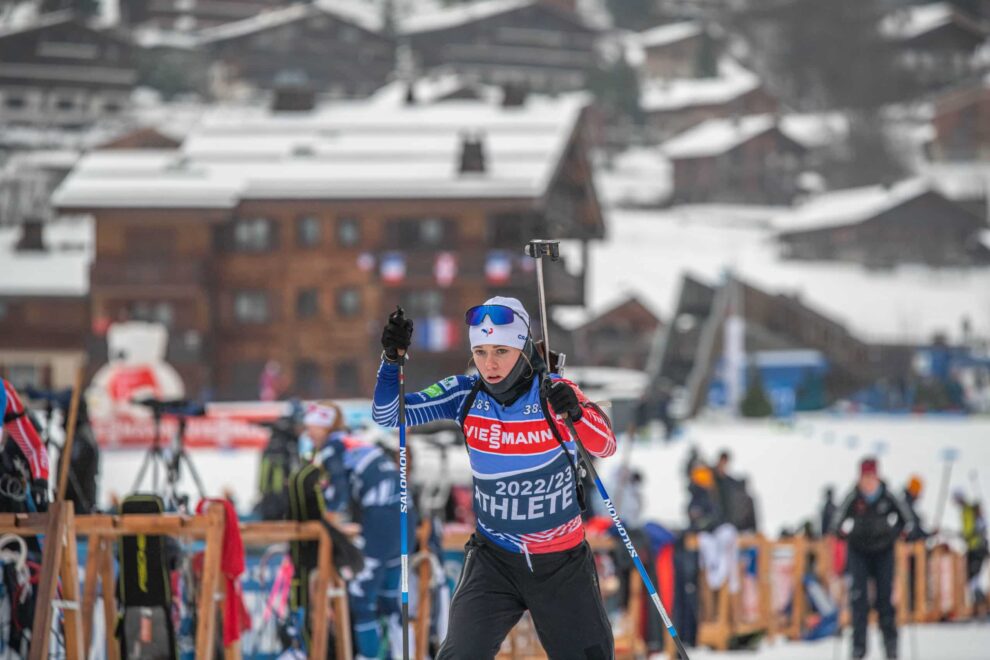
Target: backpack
278,460
144,623
741,509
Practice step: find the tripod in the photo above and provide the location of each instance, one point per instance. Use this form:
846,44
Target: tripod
170,462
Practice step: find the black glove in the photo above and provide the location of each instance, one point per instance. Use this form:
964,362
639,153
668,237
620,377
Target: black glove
563,400
39,493
397,334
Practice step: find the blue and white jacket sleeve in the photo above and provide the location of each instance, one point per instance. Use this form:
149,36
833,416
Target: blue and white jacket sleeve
442,400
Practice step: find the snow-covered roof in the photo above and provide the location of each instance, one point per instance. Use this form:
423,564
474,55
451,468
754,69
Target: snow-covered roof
716,136
676,94
908,23
150,36
62,270
657,247
431,88
25,21
457,15
344,151
960,181
359,13
664,35
851,206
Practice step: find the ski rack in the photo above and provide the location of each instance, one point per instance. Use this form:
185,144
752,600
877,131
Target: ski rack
60,564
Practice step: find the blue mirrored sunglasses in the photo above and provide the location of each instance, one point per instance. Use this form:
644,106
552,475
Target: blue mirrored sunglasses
499,314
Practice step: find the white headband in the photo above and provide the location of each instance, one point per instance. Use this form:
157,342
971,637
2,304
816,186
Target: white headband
321,416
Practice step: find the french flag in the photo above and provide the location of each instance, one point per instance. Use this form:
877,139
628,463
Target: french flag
498,268
445,268
437,334
393,267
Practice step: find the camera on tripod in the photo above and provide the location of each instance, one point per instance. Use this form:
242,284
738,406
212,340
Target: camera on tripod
170,461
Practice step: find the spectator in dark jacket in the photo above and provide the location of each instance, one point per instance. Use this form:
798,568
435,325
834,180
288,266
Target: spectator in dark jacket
828,511
871,519
704,514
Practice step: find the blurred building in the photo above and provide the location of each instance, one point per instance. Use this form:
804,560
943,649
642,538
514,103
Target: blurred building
57,71
330,46
937,43
543,45
884,226
679,50
962,124
185,15
744,159
673,105
780,331
44,310
290,236
619,336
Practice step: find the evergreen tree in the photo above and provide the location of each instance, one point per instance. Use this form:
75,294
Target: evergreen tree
756,403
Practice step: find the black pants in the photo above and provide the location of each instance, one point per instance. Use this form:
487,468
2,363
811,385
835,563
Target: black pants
878,567
497,587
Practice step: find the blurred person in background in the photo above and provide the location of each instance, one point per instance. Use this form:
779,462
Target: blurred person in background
974,533
871,519
828,511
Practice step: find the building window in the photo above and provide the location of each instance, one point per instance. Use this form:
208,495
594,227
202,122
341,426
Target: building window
423,303
251,307
308,231
152,312
307,379
348,301
346,378
307,303
111,107
253,235
15,102
348,232
412,233
65,104
3,310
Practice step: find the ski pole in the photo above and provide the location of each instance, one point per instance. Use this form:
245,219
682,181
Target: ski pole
949,455
403,503
538,249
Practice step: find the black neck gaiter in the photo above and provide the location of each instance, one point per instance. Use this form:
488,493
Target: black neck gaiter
520,379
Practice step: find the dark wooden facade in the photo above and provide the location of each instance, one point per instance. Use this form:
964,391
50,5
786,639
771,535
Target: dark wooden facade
60,72
620,336
927,229
541,45
962,124
315,47
185,15
761,170
302,282
946,52
693,340
667,122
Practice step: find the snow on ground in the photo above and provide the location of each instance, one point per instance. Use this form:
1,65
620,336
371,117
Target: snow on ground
940,642
657,246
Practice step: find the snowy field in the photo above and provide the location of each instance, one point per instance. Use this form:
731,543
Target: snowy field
940,642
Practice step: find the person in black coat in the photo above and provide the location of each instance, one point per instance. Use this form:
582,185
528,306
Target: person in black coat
871,519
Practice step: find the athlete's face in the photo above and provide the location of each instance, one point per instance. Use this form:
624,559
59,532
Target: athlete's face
495,362
318,434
